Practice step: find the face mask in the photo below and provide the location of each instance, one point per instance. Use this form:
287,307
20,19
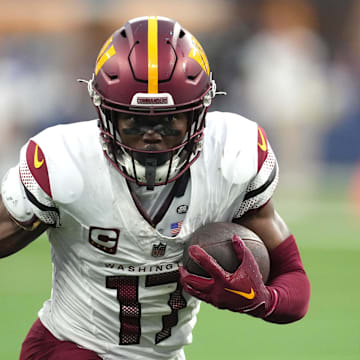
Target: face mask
142,125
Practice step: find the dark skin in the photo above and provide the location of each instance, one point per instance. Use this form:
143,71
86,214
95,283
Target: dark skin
157,134
13,237
265,222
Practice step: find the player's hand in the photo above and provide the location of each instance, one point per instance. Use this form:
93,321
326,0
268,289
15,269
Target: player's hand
241,291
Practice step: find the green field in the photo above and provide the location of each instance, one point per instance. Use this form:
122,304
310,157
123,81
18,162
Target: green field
328,234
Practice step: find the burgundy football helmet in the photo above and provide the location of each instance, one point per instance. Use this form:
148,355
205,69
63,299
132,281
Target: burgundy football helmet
150,67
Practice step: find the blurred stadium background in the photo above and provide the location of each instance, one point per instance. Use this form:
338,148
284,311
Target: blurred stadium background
291,65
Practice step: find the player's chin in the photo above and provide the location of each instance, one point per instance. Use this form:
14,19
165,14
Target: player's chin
158,146
154,147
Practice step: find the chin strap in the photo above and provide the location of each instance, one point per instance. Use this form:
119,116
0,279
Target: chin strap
150,172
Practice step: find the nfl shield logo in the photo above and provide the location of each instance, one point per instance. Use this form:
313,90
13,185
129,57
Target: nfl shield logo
158,250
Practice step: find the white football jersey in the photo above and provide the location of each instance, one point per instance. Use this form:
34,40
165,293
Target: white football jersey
115,287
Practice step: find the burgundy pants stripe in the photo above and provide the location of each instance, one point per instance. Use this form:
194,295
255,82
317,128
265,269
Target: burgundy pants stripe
40,344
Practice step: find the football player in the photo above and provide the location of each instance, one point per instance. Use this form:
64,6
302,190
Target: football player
120,195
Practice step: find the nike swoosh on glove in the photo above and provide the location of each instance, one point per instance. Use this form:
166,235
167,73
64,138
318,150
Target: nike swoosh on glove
242,291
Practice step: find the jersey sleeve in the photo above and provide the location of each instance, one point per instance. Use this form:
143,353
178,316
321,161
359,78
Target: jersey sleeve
34,177
263,185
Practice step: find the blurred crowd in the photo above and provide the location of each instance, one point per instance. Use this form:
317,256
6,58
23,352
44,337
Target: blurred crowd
291,65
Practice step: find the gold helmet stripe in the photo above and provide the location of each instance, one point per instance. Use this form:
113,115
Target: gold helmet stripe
105,46
105,54
104,58
198,54
153,55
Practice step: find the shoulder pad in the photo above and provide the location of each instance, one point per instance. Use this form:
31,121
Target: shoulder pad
14,198
263,147
238,137
47,159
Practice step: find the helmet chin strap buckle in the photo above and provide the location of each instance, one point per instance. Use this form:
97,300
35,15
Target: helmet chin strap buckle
150,172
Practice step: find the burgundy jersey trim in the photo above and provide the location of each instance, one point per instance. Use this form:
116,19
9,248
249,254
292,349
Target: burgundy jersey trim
263,147
178,190
36,162
138,205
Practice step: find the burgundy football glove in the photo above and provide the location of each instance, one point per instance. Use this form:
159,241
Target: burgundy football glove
241,291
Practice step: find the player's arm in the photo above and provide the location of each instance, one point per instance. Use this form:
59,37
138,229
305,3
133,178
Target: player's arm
288,281
267,224
27,208
285,297
13,237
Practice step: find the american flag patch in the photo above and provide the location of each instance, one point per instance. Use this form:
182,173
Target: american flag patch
175,228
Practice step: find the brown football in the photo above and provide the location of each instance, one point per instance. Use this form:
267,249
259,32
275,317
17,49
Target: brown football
215,239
